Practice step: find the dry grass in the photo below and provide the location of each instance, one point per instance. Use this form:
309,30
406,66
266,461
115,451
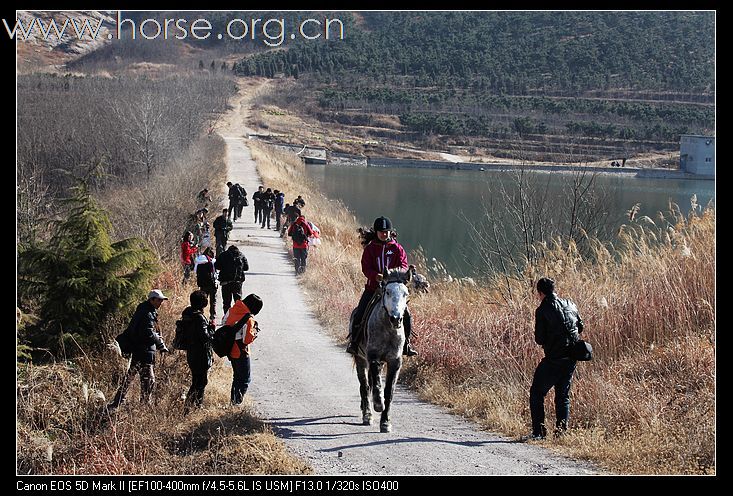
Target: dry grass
644,405
61,428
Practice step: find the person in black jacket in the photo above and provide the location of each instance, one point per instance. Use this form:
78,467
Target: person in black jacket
222,226
199,353
557,326
232,264
257,200
235,196
146,340
268,202
279,206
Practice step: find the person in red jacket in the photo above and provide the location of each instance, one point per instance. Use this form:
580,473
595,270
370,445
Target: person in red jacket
381,251
300,231
188,252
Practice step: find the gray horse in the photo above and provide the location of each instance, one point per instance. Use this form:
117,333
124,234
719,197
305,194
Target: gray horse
381,343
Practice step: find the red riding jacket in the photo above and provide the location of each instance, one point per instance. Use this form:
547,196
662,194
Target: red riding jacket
377,256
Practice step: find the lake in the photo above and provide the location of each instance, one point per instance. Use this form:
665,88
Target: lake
429,207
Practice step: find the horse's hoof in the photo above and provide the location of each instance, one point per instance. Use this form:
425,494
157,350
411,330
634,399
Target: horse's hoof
378,407
367,421
385,427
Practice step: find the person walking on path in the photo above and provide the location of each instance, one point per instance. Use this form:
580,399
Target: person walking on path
279,206
232,264
257,201
199,353
222,226
268,201
240,353
381,252
234,199
145,340
242,202
300,231
291,214
557,327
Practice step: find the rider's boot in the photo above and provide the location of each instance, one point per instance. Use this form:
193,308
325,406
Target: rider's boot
353,345
408,350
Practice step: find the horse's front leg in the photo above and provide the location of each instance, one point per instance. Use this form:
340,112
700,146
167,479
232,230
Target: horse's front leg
375,382
393,371
362,367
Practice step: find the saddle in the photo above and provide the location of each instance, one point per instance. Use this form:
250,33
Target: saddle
376,297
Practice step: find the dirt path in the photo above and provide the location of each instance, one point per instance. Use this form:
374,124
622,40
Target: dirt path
306,388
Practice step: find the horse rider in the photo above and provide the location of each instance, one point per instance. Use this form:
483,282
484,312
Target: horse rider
381,251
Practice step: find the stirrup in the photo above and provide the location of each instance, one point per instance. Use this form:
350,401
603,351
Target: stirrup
352,348
408,350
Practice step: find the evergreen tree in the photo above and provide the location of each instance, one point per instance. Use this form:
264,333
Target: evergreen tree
80,276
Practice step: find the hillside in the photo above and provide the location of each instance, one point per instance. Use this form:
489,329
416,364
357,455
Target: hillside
559,86
50,52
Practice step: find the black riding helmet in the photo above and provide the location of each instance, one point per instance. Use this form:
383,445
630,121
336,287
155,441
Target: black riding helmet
382,224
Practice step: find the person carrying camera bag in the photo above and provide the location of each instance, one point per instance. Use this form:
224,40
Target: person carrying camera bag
557,329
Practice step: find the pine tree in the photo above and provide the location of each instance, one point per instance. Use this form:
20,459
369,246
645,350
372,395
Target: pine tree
80,276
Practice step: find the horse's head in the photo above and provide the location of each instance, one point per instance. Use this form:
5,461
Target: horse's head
395,295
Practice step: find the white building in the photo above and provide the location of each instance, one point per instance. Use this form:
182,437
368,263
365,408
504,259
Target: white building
697,154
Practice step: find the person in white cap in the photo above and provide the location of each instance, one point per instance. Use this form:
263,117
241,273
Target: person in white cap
146,340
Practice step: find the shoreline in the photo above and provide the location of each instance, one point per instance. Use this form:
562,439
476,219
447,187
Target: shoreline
321,156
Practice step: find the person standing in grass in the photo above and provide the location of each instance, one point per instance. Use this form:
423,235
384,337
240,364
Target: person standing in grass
188,252
557,326
381,252
199,354
145,340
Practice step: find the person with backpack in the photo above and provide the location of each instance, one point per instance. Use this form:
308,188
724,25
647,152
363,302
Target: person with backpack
239,356
381,252
279,206
196,340
144,341
242,199
222,226
300,231
234,199
188,252
557,327
206,278
291,215
232,264
257,200
267,200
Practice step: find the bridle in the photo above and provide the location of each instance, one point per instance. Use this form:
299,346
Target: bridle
384,293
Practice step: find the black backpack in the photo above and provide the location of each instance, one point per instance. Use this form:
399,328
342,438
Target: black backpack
239,269
126,342
184,334
580,350
299,233
205,275
223,340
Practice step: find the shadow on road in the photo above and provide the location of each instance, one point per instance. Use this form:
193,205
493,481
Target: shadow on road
280,426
